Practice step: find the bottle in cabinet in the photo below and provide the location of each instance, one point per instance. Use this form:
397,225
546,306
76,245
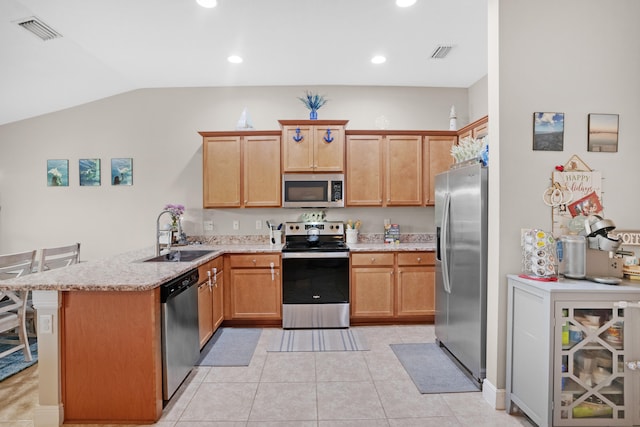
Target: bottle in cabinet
591,383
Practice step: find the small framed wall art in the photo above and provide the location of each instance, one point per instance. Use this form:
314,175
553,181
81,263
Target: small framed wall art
603,133
122,171
548,131
89,170
57,173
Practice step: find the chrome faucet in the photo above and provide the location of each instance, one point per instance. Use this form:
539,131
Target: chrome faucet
170,235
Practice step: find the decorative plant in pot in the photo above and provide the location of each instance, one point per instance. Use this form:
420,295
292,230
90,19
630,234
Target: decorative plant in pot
313,102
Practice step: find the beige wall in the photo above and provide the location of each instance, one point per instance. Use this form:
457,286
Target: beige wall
158,129
576,57
478,102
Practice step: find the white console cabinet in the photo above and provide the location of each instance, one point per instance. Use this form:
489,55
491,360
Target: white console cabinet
573,352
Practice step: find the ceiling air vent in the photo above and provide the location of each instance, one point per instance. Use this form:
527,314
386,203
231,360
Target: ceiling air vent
39,28
441,51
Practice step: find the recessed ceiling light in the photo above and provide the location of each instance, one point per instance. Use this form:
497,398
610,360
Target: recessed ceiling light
234,59
378,59
207,3
405,3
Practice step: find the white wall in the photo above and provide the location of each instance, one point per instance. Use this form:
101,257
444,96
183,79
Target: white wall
158,128
478,102
576,57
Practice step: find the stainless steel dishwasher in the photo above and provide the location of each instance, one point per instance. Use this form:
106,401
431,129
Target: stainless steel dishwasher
180,337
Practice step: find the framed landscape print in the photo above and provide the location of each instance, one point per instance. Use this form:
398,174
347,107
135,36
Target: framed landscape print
122,171
89,172
57,173
603,133
548,131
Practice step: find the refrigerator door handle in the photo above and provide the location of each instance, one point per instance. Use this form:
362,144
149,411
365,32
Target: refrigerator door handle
444,239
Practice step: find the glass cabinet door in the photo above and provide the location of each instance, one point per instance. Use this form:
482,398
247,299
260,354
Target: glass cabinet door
589,380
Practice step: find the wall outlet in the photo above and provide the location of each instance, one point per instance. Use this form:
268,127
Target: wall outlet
236,225
258,224
208,226
45,324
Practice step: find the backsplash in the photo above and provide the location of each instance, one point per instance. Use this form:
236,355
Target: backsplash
404,238
264,239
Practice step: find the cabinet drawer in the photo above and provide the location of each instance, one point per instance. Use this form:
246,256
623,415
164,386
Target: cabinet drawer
372,258
254,260
416,258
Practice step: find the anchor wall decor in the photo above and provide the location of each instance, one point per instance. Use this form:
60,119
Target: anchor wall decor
328,137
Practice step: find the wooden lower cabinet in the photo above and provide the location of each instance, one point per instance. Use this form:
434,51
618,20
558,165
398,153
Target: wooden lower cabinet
218,299
372,285
255,287
111,357
210,298
416,277
205,311
389,286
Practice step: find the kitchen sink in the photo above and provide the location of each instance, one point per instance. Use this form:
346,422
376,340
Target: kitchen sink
180,256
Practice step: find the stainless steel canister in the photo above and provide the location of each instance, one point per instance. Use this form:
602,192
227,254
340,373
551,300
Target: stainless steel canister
574,254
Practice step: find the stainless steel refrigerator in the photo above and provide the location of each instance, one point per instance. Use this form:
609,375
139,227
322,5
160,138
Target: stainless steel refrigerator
461,265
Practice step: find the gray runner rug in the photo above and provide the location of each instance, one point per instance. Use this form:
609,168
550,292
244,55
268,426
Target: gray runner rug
431,370
230,347
317,340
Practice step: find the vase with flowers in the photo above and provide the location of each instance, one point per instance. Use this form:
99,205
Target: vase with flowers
313,102
176,212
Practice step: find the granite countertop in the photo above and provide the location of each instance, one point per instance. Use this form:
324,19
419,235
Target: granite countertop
124,272
127,272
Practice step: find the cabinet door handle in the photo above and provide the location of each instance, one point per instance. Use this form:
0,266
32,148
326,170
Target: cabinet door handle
209,279
419,259
254,261
273,273
215,275
373,260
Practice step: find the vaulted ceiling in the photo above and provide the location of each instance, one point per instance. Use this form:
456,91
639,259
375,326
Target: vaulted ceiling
109,47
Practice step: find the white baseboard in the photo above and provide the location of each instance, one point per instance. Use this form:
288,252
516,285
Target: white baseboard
48,415
494,396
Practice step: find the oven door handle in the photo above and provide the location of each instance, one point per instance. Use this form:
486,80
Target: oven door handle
311,254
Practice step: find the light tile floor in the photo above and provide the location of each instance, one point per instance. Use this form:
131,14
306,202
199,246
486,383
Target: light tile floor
323,389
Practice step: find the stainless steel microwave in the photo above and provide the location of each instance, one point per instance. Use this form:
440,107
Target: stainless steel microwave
305,190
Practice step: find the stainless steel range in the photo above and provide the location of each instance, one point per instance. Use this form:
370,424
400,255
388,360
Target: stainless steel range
315,276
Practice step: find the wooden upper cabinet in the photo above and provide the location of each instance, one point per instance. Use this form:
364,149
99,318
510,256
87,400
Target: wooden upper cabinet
365,170
403,175
437,154
384,170
313,145
221,171
477,129
241,170
262,178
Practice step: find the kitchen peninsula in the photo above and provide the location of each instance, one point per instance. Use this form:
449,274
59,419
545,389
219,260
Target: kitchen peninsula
105,314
